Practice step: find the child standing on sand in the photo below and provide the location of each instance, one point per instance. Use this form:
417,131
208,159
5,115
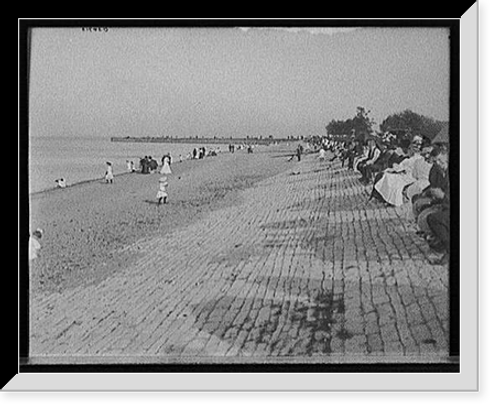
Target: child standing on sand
108,177
34,244
162,194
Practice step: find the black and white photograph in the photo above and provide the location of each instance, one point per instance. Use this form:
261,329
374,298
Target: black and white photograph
254,196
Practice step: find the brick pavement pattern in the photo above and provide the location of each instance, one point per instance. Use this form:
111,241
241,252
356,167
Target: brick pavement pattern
303,269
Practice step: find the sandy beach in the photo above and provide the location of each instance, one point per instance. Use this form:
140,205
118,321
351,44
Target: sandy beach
88,226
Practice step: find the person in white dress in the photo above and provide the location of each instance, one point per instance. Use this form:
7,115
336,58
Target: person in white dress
421,169
165,166
34,246
162,194
108,177
395,179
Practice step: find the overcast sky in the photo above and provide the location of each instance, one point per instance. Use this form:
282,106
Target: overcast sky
230,81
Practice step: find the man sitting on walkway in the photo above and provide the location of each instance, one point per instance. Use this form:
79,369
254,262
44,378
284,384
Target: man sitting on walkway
436,218
365,166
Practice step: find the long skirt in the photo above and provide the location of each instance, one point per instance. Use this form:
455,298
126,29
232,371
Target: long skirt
391,186
165,169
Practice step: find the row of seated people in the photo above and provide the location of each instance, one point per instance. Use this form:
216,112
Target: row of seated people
414,177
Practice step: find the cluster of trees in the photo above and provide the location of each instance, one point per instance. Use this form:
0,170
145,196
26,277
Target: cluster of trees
360,124
406,123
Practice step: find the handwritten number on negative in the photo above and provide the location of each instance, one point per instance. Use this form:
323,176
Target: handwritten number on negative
95,29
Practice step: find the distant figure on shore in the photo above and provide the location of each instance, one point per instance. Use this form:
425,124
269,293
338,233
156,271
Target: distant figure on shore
34,245
322,154
61,183
195,153
108,177
165,166
180,157
130,166
162,194
298,153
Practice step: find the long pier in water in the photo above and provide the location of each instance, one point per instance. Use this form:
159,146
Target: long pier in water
205,141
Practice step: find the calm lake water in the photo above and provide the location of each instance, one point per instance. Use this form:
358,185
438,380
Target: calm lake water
82,159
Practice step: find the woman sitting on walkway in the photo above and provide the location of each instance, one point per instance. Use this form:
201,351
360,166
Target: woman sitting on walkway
395,179
421,170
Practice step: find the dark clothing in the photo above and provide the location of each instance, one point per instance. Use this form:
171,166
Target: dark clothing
144,166
367,170
153,165
351,154
441,180
433,214
439,224
395,158
437,179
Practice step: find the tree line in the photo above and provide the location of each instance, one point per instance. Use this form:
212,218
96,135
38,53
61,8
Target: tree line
405,124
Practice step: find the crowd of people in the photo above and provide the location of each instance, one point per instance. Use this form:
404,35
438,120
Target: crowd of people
409,174
149,165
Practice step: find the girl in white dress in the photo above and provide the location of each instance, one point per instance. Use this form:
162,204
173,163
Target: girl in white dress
162,194
109,173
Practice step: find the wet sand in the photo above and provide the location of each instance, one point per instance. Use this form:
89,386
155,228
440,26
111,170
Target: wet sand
88,227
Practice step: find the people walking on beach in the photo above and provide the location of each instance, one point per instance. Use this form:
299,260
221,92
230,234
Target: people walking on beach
34,245
165,166
108,177
162,194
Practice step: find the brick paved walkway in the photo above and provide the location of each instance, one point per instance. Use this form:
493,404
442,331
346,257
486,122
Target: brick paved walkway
302,269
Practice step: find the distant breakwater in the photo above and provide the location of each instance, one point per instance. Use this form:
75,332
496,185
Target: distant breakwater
204,141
